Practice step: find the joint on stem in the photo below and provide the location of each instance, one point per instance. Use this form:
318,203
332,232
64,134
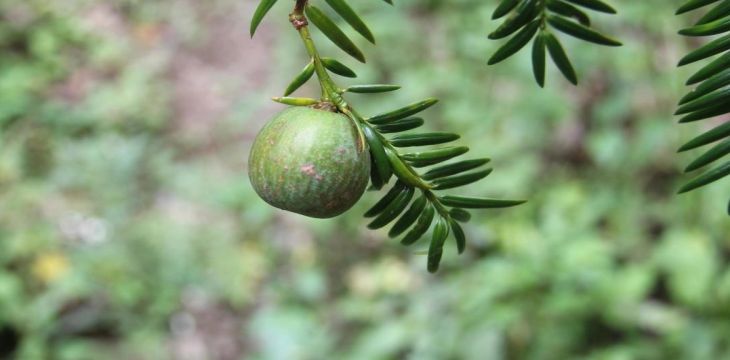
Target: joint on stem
298,20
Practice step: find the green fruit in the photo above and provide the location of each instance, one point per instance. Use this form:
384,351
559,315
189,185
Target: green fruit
311,162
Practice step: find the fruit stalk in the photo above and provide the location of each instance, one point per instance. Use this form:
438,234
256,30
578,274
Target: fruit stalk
300,23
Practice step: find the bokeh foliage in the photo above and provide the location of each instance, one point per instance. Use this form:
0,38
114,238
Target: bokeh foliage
129,229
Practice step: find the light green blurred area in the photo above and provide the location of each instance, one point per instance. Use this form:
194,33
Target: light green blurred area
129,230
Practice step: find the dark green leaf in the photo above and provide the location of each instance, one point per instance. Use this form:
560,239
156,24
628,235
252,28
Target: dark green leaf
403,112
338,67
504,7
477,203
424,222
403,172
400,125
525,12
708,86
711,136
300,79
516,43
693,5
715,67
715,98
436,249
538,59
333,32
344,10
707,178
386,200
460,180
377,151
370,89
393,209
720,11
565,9
557,53
409,217
712,48
581,31
460,214
376,183
261,10
458,236
453,169
711,155
708,112
423,139
426,158
594,5
711,28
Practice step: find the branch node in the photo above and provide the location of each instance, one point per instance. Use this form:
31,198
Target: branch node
298,20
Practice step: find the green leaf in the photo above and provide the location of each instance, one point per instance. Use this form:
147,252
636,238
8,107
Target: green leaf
708,86
338,67
295,101
300,79
436,249
720,11
459,236
409,217
594,5
400,125
453,169
376,183
403,172
459,214
565,9
715,67
557,53
393,209
707,178
426,158
711,28
717,97
403,112
708,112
261,10
386,200
694,5
516,43
580,31
525,12
711,136
370,89
712,48
333,32
460,180
711,155
377,151
423,139
344,10
538,59
504,7
424,222
477,203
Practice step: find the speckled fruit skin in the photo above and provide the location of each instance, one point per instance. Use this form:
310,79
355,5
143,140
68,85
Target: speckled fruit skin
311,162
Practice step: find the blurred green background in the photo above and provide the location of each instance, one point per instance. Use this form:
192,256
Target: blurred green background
129,230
